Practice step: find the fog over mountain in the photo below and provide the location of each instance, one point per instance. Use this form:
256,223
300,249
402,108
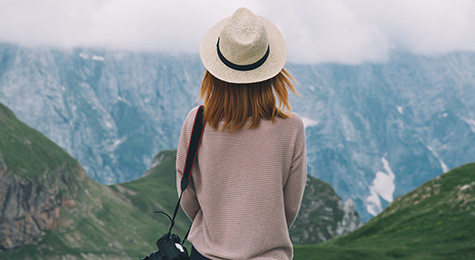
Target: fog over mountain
343,31
374,131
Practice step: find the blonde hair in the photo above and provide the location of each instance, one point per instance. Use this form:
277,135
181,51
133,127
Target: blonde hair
238,103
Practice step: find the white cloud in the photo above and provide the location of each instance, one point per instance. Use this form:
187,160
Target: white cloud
346,31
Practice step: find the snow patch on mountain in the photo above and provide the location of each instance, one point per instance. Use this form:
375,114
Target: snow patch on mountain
471,123
83,55
307,122
383,187
86,56
97,58
348,128
436,155
116,143
400,109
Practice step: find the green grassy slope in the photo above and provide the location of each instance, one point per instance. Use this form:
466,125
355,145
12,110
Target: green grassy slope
27,152
99,226
156,190
94,221
435,221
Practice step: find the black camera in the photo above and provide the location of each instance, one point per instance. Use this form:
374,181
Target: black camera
169,248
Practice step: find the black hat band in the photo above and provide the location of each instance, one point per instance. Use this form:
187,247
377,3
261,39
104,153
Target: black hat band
248,67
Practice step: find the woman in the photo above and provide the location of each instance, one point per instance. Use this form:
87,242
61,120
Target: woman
247,185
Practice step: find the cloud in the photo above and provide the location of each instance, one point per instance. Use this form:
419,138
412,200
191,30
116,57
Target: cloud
316,31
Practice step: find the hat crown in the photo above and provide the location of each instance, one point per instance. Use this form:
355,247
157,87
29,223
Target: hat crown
243,39
243,48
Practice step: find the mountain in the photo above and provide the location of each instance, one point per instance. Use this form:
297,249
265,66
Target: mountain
434,221
373,126
369,127
52,210
36,179
111,110
323,215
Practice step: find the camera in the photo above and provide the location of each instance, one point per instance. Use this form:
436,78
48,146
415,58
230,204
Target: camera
169,248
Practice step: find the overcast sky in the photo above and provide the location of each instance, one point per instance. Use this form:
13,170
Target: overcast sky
316,31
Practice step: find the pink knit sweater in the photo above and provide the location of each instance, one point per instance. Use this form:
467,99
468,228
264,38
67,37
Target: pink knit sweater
246,188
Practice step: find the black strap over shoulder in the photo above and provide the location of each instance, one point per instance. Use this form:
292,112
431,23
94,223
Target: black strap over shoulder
195,141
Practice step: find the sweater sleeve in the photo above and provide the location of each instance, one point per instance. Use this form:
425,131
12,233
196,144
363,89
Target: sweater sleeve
189,201
295,185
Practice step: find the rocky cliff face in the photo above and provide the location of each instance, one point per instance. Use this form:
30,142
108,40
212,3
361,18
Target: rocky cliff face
27,211
377,131
374,131
37,179
29,207
323,215
112,111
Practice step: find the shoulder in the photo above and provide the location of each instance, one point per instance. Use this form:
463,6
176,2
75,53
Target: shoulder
294,120
192,114
189,120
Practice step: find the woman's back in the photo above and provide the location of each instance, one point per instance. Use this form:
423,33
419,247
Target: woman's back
248,185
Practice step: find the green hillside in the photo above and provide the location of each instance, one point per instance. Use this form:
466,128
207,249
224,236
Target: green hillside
49,204
27,152
52,210
156,190
99,226
435,221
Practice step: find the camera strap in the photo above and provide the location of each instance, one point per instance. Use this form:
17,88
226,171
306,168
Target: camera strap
195,141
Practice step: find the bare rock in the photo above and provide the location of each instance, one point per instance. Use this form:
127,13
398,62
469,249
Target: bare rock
28,208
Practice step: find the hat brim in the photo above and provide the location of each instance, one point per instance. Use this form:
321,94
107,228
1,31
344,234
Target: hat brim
270,68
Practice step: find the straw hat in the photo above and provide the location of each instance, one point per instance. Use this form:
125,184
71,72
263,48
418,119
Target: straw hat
243,48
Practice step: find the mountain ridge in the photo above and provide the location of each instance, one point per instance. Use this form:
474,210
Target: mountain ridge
368,126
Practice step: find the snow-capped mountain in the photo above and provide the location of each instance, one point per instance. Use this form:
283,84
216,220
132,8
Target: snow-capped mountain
374,131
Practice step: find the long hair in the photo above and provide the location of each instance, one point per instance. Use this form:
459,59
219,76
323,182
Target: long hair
236,104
